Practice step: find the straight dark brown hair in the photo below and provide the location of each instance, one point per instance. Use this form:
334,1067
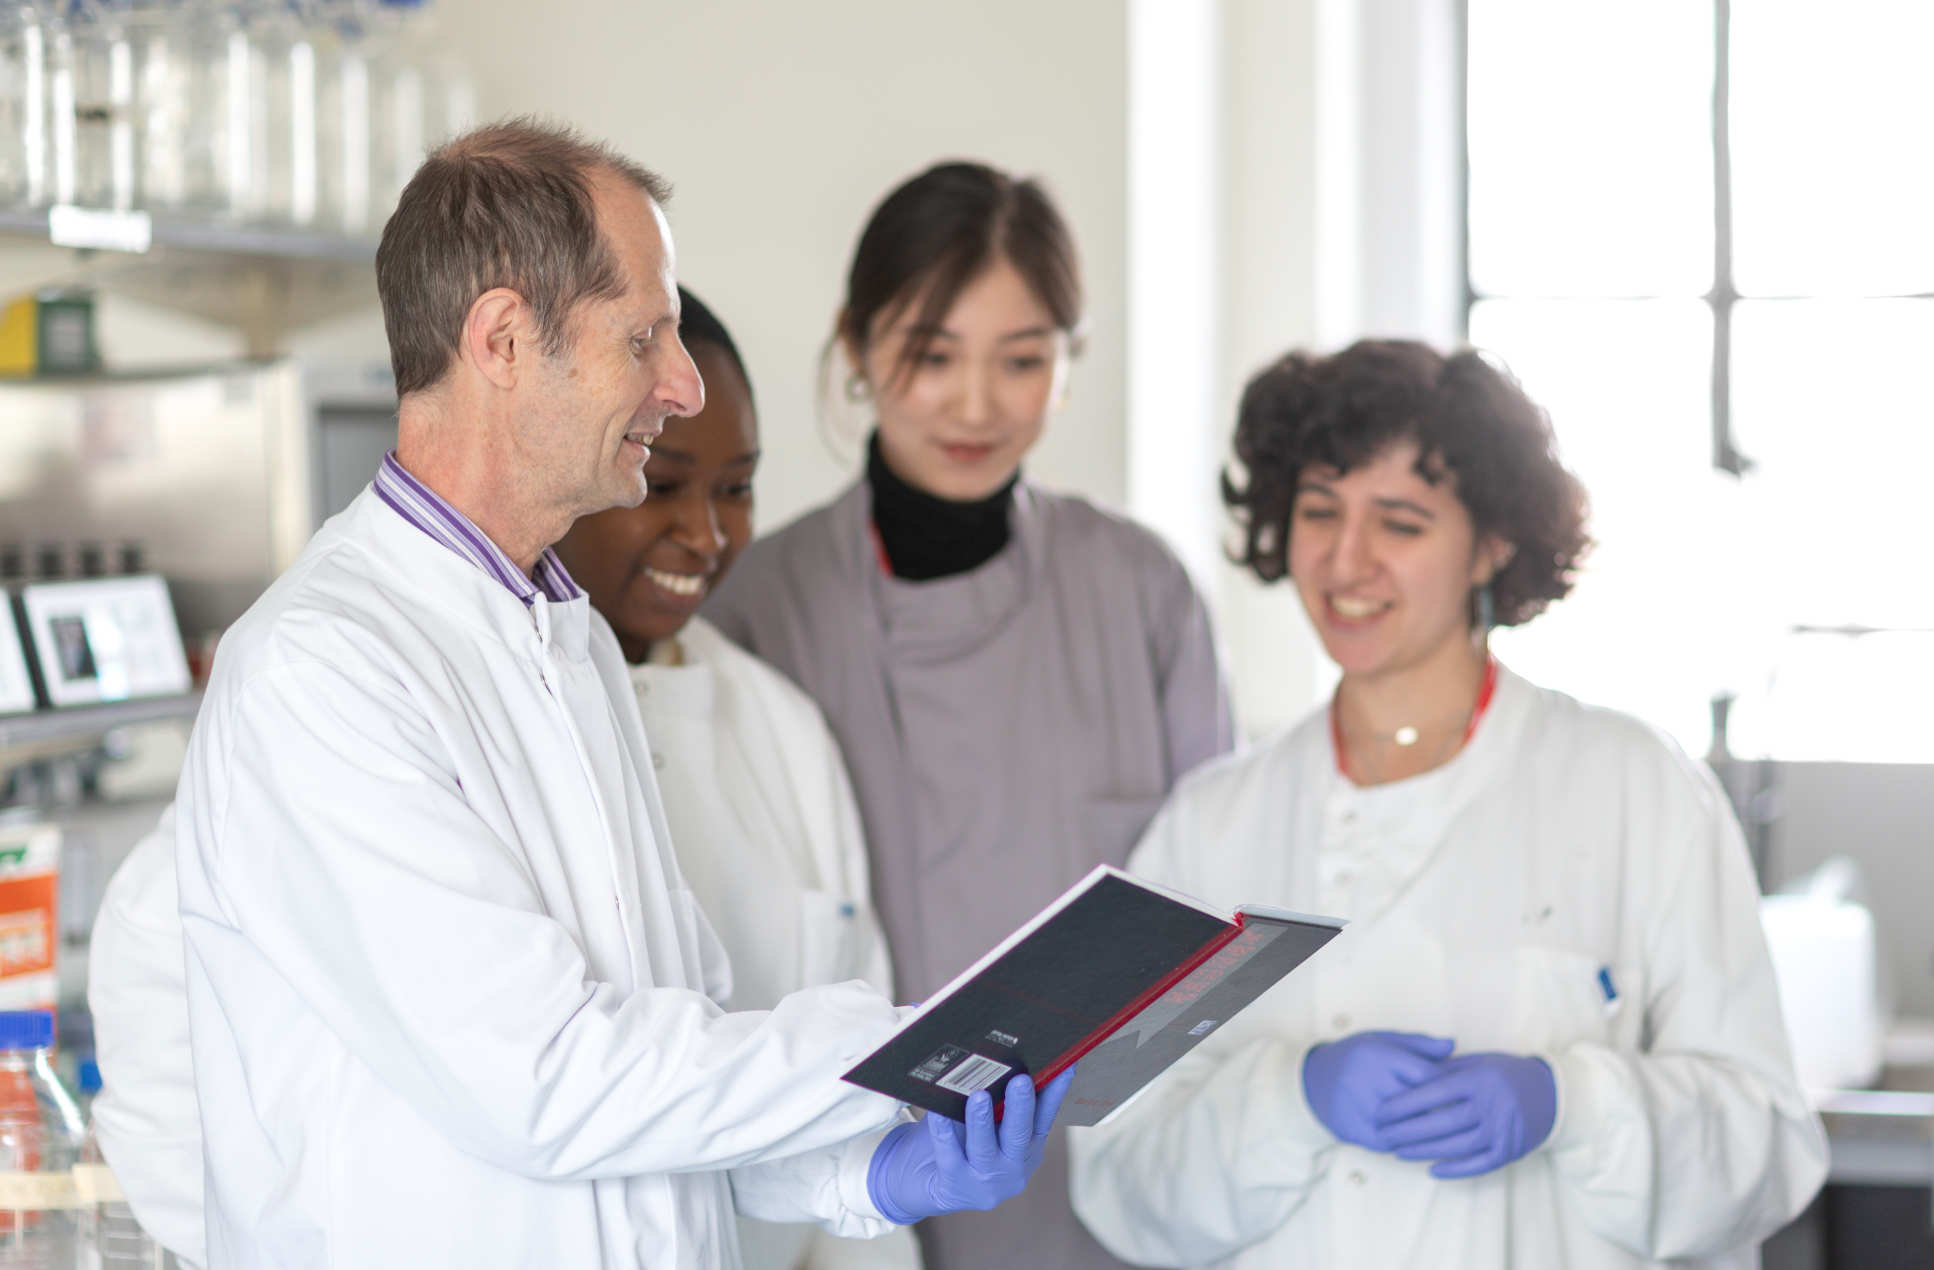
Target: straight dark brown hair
507,205
937,232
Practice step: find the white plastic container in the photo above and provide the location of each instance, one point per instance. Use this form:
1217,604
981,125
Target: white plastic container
1824,958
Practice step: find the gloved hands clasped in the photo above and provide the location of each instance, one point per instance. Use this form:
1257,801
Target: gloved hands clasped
1402,1093
937,1165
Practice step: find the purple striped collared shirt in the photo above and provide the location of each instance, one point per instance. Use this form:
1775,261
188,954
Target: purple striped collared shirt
421,506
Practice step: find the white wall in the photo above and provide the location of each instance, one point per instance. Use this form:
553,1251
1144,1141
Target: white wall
1294,170
1259,174
782,124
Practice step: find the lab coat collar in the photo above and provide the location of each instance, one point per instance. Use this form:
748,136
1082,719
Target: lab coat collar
688,691
438,577
1407,820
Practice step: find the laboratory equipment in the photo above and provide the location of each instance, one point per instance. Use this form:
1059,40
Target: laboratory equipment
24,172
1825,958
16,682
40,1138
103,109
282,147
105,639
109,1236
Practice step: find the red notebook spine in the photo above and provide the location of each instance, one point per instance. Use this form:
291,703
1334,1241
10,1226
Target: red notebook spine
1142,1002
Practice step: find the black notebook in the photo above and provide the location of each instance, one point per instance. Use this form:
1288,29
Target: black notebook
1122,974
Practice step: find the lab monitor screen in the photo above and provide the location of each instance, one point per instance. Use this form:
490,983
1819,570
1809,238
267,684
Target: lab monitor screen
105,639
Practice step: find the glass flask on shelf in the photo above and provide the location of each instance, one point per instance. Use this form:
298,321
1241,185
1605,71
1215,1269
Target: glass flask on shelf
397,140
162,120
424,94
62,139
215,112
103,79
343,122
25,171
282,92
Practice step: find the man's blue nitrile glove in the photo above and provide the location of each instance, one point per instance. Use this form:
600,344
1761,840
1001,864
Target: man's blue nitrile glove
1347,1081
940,1166
1482,1112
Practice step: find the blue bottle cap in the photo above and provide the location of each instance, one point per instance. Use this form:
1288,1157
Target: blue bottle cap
26,1029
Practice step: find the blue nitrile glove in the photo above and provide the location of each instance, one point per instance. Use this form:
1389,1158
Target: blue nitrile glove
940,1166
1482,1112
1347,1081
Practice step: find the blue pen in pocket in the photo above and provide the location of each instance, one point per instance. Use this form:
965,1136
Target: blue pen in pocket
1610,990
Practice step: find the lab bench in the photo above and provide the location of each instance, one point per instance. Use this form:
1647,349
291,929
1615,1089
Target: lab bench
1877,1210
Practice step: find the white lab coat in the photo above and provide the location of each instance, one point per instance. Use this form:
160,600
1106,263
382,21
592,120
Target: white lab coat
1484,898
767,834
451,1002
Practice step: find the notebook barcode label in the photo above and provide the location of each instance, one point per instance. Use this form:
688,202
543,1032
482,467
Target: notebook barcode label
974,1075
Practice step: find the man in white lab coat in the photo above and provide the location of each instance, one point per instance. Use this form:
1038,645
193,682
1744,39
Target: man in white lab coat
450,1000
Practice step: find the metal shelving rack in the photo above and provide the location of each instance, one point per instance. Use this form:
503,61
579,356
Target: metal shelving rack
26,736
260,280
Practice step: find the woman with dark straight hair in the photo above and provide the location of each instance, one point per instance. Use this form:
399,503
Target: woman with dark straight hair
1016,677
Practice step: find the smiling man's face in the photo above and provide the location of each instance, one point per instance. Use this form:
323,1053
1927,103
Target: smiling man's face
591,415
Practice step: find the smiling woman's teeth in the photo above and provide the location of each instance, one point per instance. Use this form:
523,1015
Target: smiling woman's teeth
1354,608
677,583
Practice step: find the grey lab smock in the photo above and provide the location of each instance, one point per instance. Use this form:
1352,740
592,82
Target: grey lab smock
1006,730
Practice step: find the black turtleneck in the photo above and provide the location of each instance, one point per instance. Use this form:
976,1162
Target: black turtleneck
927,537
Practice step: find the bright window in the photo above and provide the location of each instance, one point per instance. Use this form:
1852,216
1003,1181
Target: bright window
1702,234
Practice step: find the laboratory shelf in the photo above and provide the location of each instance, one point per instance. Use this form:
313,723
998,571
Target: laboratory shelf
205,236
261,280
53,727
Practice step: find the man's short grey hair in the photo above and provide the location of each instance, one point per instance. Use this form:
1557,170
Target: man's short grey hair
507,205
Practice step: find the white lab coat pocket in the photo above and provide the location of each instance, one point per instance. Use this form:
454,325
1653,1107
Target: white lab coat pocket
829,939
1564,997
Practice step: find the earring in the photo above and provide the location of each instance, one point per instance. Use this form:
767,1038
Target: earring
857,389
1486,610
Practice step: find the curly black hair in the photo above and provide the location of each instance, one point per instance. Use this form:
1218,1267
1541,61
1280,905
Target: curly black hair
1472,422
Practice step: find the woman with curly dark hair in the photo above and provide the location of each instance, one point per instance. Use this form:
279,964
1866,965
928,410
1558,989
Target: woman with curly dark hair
1550,1036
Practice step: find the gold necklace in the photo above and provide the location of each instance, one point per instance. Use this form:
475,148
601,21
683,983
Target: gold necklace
1373,758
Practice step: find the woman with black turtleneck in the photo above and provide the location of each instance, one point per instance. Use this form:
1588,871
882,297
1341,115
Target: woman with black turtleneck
1016,677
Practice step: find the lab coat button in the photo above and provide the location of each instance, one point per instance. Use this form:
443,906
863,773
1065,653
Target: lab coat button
657,761
1342,1022
1357,1178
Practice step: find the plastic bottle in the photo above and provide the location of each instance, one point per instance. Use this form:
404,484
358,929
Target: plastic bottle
110,1238
40,1140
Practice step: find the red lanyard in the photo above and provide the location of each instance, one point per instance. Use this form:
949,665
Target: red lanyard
1484,694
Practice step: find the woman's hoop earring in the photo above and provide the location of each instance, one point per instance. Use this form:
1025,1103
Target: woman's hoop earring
857,389
1486,610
